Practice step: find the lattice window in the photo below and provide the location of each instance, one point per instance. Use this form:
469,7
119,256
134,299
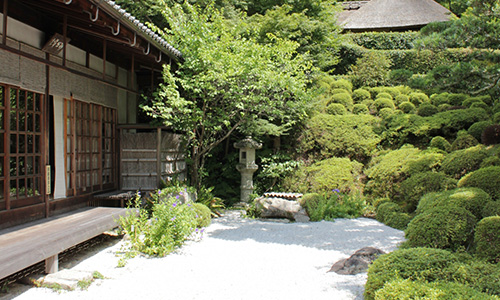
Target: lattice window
90,147
20,147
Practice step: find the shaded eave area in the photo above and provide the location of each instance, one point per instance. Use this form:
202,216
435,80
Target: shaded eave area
393,15
100,27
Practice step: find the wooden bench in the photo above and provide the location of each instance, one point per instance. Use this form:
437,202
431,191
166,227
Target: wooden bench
28,244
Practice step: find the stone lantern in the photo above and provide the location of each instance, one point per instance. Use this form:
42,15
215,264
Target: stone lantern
247,165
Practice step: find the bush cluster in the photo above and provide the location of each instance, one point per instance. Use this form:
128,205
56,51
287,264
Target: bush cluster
333,205
487,179
487,239
461,162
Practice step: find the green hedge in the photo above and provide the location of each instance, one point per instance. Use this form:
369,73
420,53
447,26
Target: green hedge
487,179
461,162
384,40
487,239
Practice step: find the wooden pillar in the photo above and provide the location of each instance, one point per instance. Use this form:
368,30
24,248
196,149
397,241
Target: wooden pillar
5,16
158,158
65,33
104,50
6,143
45,133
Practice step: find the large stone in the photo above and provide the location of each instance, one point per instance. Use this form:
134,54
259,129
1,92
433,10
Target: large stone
358,262
281,208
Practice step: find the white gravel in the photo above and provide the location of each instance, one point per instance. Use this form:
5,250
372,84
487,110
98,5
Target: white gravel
238,259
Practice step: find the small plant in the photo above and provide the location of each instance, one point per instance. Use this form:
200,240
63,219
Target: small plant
334,205
97,275
84,284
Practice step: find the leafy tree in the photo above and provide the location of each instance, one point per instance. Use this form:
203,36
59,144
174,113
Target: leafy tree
225,82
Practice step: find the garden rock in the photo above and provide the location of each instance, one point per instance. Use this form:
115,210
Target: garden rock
358,262
272,207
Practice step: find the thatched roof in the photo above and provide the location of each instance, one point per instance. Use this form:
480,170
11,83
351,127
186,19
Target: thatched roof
387,15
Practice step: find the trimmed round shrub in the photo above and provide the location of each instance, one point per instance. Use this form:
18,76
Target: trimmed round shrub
426,110
397,220
359,95
336,109
441,143
476,129
456,99
394,91
491,208
414,263
342,98
491,135
204,215
404,289
385,112
469,101
490,161
496,118
384,95
463,141
487,179
481,105
448,227
487,239
386,208
341,84
360,109
419,184
400,76
401,98
444,107
476,273
461,162
438,99
418,98
407,107
383,103
338,91
471,199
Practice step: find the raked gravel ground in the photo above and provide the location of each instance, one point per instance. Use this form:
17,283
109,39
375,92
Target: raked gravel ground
237,258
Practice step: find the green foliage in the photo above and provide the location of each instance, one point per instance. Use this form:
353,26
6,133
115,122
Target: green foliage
342,98
414,264
487,239
322,176
487,179
333,205
407,107
471,199
478,274
476,129
491,208
419,184
402,289
360,109
384,40
383,103
171,223
387,171
438,99
384,95
386,208
418,98
342,84
441,143
456,99
400,76
203,214
385,112
359,95
198,97
371,69
426,110
449,227
336,109
398,220
275,168
348,135
461,162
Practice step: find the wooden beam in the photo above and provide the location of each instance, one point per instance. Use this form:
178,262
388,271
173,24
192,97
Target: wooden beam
5,17
65,38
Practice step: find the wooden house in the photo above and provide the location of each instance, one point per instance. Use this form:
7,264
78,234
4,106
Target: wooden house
391,15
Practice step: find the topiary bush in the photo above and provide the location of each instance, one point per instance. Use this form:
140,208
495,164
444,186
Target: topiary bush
487,239
333,173
360,109
204,215
476,129
487,179
457,99
424,264
342,98
438,99
478,274
404,289
401,98
469,101
496,118
407,107
359,95
441,143
341,84
448,227
419,184
461,162
491,135
481,105
398,220
336,109
385,112
491,208
426,110
383,103
463,141
386,208
418,98
471,199
384,95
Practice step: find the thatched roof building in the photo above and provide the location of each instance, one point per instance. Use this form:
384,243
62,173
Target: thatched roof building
391,15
